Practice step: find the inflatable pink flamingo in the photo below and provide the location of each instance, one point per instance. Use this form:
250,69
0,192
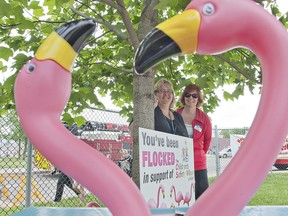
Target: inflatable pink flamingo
151,202
177,197
42,89
188,195
215,26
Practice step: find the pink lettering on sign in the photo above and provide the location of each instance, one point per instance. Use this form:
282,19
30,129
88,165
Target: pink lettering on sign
157,158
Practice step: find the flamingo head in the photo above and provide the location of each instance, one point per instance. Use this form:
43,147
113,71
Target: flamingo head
163,194
205,27
43,85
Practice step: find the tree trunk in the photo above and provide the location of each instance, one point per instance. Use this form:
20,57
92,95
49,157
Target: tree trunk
143,115
143,94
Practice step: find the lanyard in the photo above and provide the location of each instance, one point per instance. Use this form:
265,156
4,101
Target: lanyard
172,123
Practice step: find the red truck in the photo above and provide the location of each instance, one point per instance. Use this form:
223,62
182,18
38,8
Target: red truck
281,162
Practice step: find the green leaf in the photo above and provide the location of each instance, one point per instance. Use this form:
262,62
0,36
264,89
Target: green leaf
39,12
275,10
227,96
5,9
9,83
20,59
62,3
26,24
79,120
163,4
5,53
66,117
18,13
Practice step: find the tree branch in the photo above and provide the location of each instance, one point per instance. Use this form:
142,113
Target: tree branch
103,22
148,19
237,68
127,22
104,63
110,3
37,21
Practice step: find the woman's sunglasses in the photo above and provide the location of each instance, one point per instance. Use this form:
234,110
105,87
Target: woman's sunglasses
187,95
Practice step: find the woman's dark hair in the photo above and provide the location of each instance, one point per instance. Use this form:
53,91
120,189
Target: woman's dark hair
190,88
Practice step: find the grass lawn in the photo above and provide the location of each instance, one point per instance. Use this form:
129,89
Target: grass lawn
12,162
69,202
273,191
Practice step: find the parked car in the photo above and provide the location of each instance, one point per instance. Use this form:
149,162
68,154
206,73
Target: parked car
224,153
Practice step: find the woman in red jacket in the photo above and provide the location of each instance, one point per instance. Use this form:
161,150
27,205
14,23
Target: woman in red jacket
199,128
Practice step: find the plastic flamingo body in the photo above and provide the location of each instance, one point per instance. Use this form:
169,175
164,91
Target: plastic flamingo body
155,204
177,197
42,89
212,27
188,195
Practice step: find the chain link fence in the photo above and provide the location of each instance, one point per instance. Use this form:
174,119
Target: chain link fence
220,152
28,179
226,142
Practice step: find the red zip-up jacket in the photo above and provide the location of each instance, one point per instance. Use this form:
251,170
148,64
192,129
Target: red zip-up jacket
202,135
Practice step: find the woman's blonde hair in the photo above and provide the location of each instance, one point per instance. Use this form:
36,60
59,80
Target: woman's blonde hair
158,86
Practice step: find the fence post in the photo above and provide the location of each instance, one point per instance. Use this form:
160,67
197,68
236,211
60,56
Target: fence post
29,176
217,152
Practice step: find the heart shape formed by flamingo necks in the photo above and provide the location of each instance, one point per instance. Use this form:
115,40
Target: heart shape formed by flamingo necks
215,26
42,89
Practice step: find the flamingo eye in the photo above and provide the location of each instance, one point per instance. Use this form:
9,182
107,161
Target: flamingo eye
30,68
208,9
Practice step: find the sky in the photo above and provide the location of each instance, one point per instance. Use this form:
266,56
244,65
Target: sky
236,114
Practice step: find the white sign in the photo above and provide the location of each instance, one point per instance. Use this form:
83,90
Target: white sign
166,169
283,155
235,141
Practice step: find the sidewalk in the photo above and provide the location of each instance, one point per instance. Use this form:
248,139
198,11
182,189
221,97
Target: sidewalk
21,170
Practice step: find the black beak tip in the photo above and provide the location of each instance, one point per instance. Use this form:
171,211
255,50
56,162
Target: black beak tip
138,61
77,32
138,70
155,48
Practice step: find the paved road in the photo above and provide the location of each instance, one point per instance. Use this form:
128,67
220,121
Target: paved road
44,182
211,164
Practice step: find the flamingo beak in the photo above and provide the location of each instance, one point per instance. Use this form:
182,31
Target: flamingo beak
63,45
176,36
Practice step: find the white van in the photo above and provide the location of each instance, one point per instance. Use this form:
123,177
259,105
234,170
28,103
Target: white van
225,153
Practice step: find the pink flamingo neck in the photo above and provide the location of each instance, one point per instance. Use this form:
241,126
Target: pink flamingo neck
266,40
41,121
174,190
160,188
